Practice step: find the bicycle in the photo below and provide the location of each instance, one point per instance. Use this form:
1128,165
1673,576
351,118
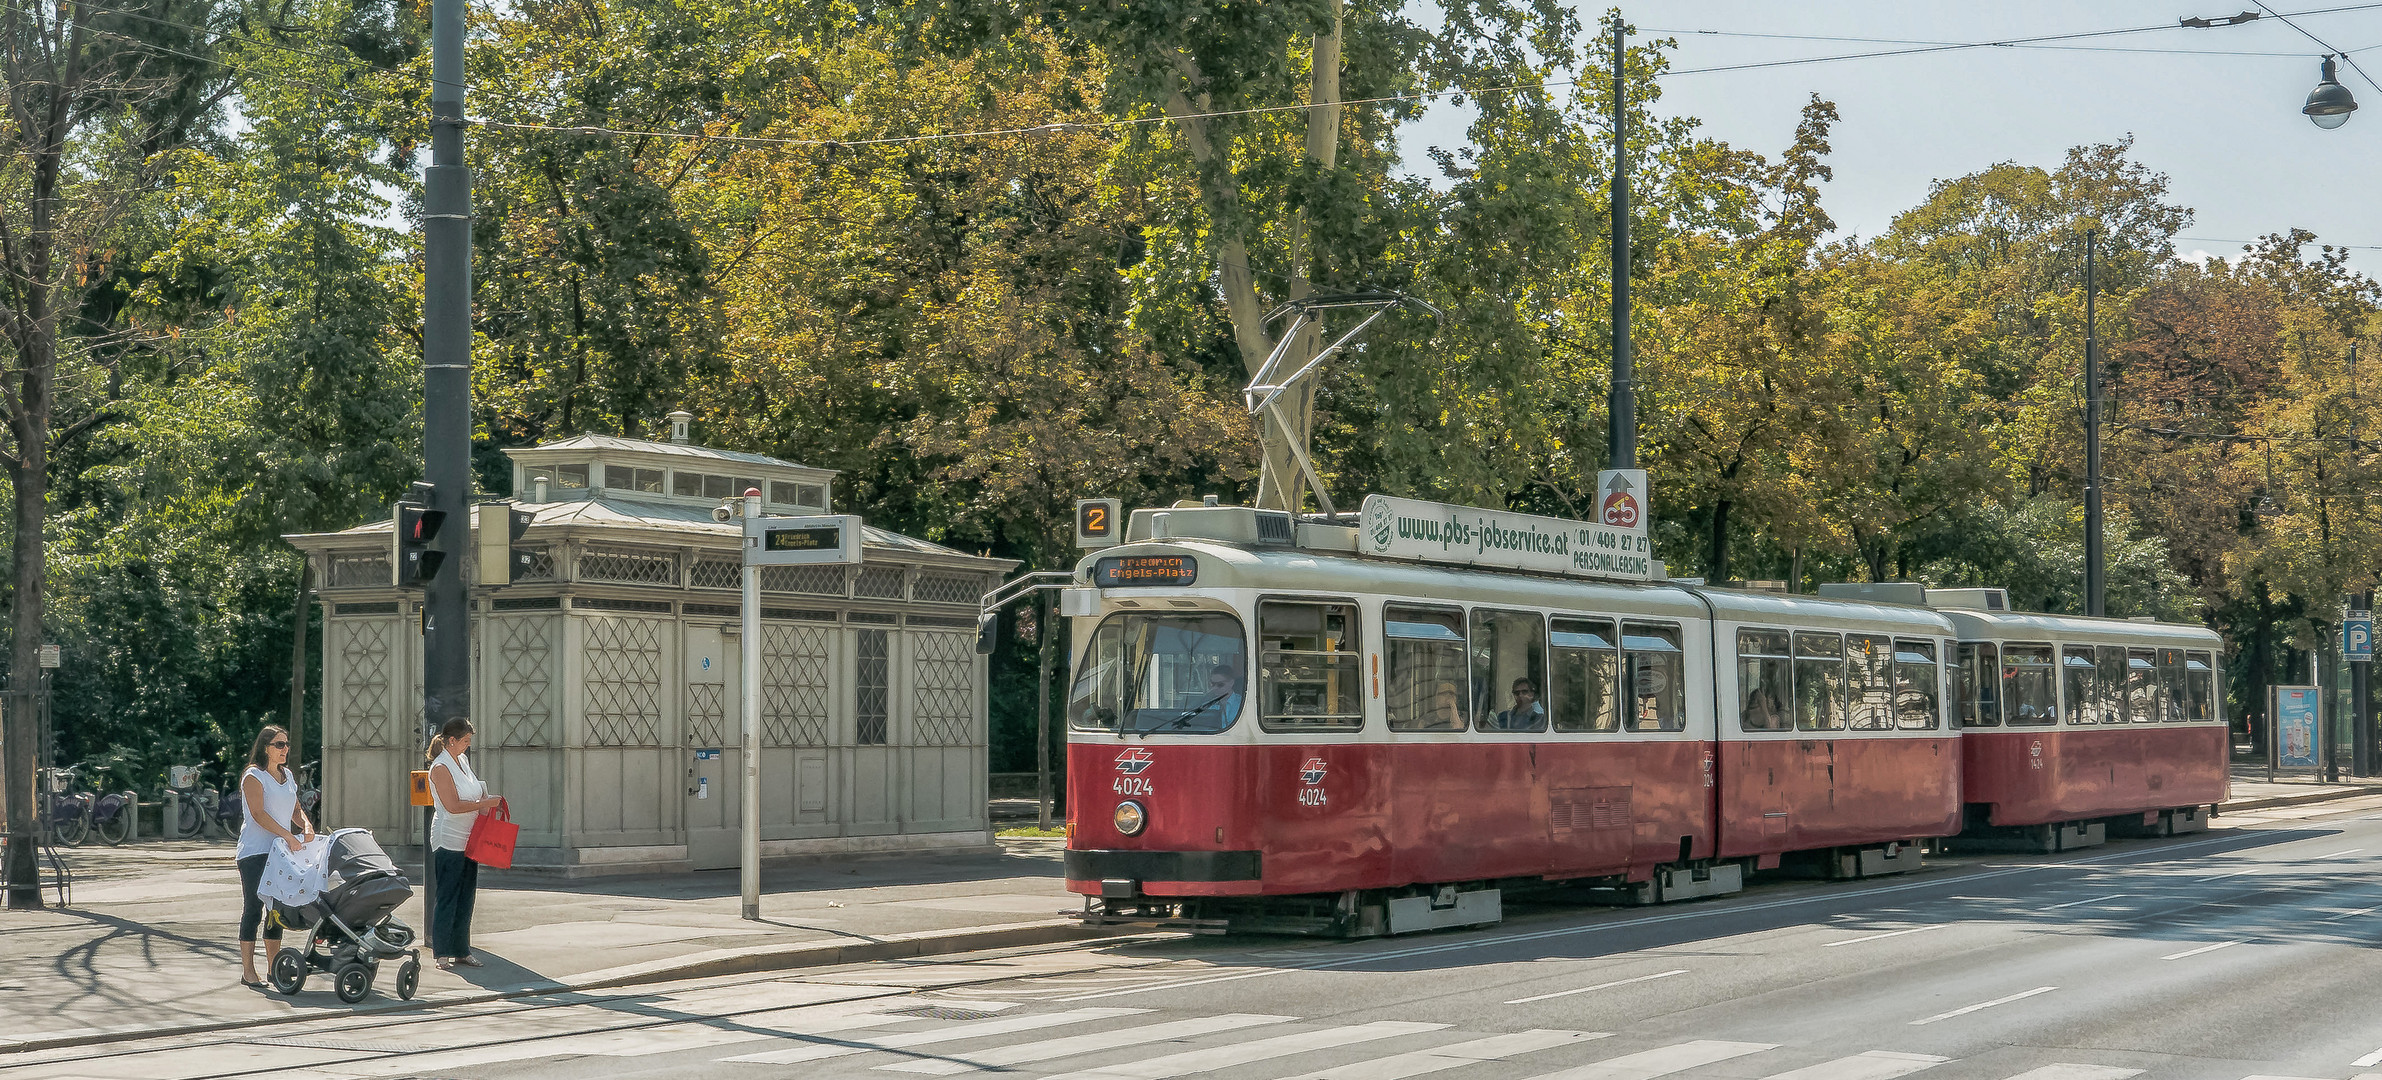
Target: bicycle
310,793
111,816
199,807
65,813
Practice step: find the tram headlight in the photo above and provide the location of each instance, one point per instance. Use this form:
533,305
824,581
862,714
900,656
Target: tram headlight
1130,819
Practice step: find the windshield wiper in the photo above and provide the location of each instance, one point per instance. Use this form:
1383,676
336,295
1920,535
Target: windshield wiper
1184,715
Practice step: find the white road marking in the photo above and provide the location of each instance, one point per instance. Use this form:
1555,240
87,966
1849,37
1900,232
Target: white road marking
698,1035
2343,851
1443,1058
1054,1049
1873,1065
1599,986
1888,934
2165,853
1194,1062
2202,949
2354,914
2065,1071
2094,900
2265,1076
2237,873
954,1033
1663,1062
1965,1010
2367,1061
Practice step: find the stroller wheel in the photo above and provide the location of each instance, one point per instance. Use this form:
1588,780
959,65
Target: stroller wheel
409,976
289,971
354,980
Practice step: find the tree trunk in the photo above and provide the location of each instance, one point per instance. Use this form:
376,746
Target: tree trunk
1716,564
297,663
28,564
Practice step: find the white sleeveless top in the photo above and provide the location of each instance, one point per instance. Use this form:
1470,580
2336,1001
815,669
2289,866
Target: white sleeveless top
281,805
450,832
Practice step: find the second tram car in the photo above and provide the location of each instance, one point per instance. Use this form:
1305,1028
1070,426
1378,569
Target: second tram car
1267,731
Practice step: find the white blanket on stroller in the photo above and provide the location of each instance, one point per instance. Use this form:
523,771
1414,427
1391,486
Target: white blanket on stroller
296,878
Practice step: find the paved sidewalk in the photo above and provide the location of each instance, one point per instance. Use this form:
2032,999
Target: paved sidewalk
149,944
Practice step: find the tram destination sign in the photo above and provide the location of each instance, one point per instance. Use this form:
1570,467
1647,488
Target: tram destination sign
1452,535
1118,570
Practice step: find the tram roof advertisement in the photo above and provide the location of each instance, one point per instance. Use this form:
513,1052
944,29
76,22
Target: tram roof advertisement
1615,547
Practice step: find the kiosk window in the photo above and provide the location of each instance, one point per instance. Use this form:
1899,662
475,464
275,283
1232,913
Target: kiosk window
1819,682
1509,670
1426,668
2199,697
2079,685
1869,682
1765,681
1656,679
2030,693
1587,675
1310,674
1980,685
1918,686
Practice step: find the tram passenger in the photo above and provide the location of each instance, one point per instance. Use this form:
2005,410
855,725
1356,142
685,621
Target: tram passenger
1526,713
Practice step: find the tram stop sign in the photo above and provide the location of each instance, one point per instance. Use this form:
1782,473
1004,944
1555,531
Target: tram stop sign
2357,638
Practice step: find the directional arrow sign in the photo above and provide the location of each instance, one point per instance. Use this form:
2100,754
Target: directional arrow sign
1620,502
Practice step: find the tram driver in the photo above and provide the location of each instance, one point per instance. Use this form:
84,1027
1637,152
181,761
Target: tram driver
1224,694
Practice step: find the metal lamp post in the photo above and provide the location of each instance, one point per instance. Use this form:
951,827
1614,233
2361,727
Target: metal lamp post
2096,589
1621,435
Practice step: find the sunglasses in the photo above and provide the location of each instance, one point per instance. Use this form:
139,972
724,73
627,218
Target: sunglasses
282,745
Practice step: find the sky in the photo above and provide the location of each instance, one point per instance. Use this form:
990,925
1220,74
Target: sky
2226,129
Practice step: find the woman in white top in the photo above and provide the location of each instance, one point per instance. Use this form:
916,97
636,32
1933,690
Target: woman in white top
269,812
458,796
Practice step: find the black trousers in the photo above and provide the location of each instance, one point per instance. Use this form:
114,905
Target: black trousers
450,919
252,907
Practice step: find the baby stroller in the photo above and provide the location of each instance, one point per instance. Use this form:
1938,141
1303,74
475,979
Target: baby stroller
350,928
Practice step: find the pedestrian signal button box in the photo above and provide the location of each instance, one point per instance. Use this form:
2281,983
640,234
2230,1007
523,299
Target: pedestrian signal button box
421,787
1097,522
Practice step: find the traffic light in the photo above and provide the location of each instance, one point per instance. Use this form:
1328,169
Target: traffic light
500,525
416,526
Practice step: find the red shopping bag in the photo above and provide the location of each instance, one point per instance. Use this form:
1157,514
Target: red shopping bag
492,837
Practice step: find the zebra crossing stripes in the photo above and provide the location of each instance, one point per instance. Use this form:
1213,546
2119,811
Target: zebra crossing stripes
1646,1065
1195,1062
1870,1065
1074,1045
1442,1058
2065,1071
1004,1026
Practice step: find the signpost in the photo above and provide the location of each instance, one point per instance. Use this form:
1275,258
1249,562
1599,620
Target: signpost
2357,647
826,539
1613,547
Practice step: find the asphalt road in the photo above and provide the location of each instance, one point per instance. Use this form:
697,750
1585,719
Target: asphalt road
2248,951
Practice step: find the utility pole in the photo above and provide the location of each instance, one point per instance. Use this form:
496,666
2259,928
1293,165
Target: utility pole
1621,433
2361,686
2096,599
446,384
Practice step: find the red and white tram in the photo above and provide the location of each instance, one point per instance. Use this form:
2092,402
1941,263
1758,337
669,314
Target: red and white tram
1267,731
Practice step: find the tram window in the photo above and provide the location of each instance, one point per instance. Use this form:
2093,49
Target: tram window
1819,682
1509,665
1310,674
2079,685
1765,681
2142,687
1147,674
1657,678
1869,682
2112,707
1586,676
1918,686
2030,692
2172,694
1426,668
1980,685
2199,696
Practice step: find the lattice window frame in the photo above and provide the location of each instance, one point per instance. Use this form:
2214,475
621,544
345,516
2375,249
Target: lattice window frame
706,721
806,580
366,713
797,677
360,570
872,687
880,583
965,589
709,573
525,681
942,689
629,566
620,684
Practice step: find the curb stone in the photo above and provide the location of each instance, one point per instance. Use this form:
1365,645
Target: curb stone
2247,805
717,962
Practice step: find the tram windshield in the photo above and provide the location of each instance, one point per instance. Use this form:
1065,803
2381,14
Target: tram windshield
1145,674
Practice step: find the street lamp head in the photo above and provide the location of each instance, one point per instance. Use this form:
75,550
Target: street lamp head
2330,103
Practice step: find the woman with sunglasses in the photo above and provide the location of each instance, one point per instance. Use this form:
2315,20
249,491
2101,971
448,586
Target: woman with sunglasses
269,804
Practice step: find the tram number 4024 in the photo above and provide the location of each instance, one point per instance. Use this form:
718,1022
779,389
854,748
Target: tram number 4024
1130,785
1311,796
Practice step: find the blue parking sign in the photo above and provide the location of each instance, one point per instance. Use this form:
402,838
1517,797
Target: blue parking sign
2357,638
